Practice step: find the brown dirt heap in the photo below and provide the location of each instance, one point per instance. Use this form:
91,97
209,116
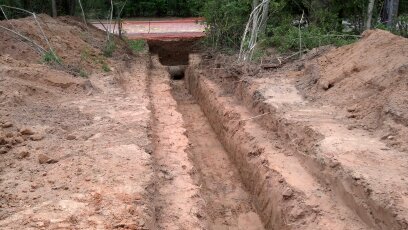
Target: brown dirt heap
74,152
369,79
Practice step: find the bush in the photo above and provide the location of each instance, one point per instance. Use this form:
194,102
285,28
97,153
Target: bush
226,21
286,37
400,28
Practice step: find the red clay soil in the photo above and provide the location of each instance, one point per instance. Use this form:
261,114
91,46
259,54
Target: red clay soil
369,81
342,121
74,152
78,49
319,143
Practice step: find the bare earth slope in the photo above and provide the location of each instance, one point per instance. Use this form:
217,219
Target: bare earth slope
74,152
369,80
340,114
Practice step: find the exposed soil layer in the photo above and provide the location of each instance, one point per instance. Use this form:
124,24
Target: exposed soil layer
80,48
74,152
356,167
319,143
178,202
367,80
173,52
285,195
228,204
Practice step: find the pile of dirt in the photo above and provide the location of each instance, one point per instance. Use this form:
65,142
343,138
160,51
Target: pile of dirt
369,80
80,47
66,140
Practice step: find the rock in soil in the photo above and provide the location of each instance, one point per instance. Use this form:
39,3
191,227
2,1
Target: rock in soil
37,137
23,154
44,159
71,137
7,125
26,131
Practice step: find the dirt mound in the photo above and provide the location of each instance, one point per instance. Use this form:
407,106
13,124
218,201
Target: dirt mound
369,79
79,47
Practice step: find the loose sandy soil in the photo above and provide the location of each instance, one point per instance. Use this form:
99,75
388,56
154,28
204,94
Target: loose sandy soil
319,143
75,153
332,111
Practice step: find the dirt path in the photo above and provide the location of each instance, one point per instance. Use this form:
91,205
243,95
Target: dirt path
228,203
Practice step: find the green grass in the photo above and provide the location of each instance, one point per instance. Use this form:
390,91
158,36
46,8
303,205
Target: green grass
105,67
137,46
109,48
83,73
51,57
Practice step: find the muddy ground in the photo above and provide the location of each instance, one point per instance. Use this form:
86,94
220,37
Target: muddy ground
174,139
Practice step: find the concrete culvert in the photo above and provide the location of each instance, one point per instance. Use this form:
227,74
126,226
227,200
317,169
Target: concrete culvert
176,72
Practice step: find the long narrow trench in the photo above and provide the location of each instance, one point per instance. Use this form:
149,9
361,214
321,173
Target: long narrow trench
228,204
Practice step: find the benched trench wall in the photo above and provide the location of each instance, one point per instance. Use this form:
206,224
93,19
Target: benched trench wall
272,196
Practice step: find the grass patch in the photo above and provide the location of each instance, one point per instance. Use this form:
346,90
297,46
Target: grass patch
51,57
109,48
137,46
105,67
286,38
83,73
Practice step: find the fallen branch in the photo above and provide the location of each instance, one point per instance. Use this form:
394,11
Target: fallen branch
40,48
24,37
281,60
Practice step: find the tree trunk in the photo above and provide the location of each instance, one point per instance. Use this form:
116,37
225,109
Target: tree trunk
370,14
390,11
54,8
265,16
254,5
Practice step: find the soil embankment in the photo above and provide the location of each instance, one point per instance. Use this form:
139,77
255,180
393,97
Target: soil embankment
335,148
74,152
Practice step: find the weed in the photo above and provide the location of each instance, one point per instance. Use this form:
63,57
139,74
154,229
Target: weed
85,54
109,48
51,57
105,67
137,46
83,73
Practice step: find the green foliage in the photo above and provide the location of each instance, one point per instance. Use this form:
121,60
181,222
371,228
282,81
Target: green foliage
83,73
401,27
226,21
286,37
50,58
137,46
105,67
109,48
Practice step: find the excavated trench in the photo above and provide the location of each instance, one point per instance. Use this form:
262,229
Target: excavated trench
218,168
223,200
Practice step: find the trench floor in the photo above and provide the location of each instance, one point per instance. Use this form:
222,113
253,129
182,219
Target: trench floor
227,202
